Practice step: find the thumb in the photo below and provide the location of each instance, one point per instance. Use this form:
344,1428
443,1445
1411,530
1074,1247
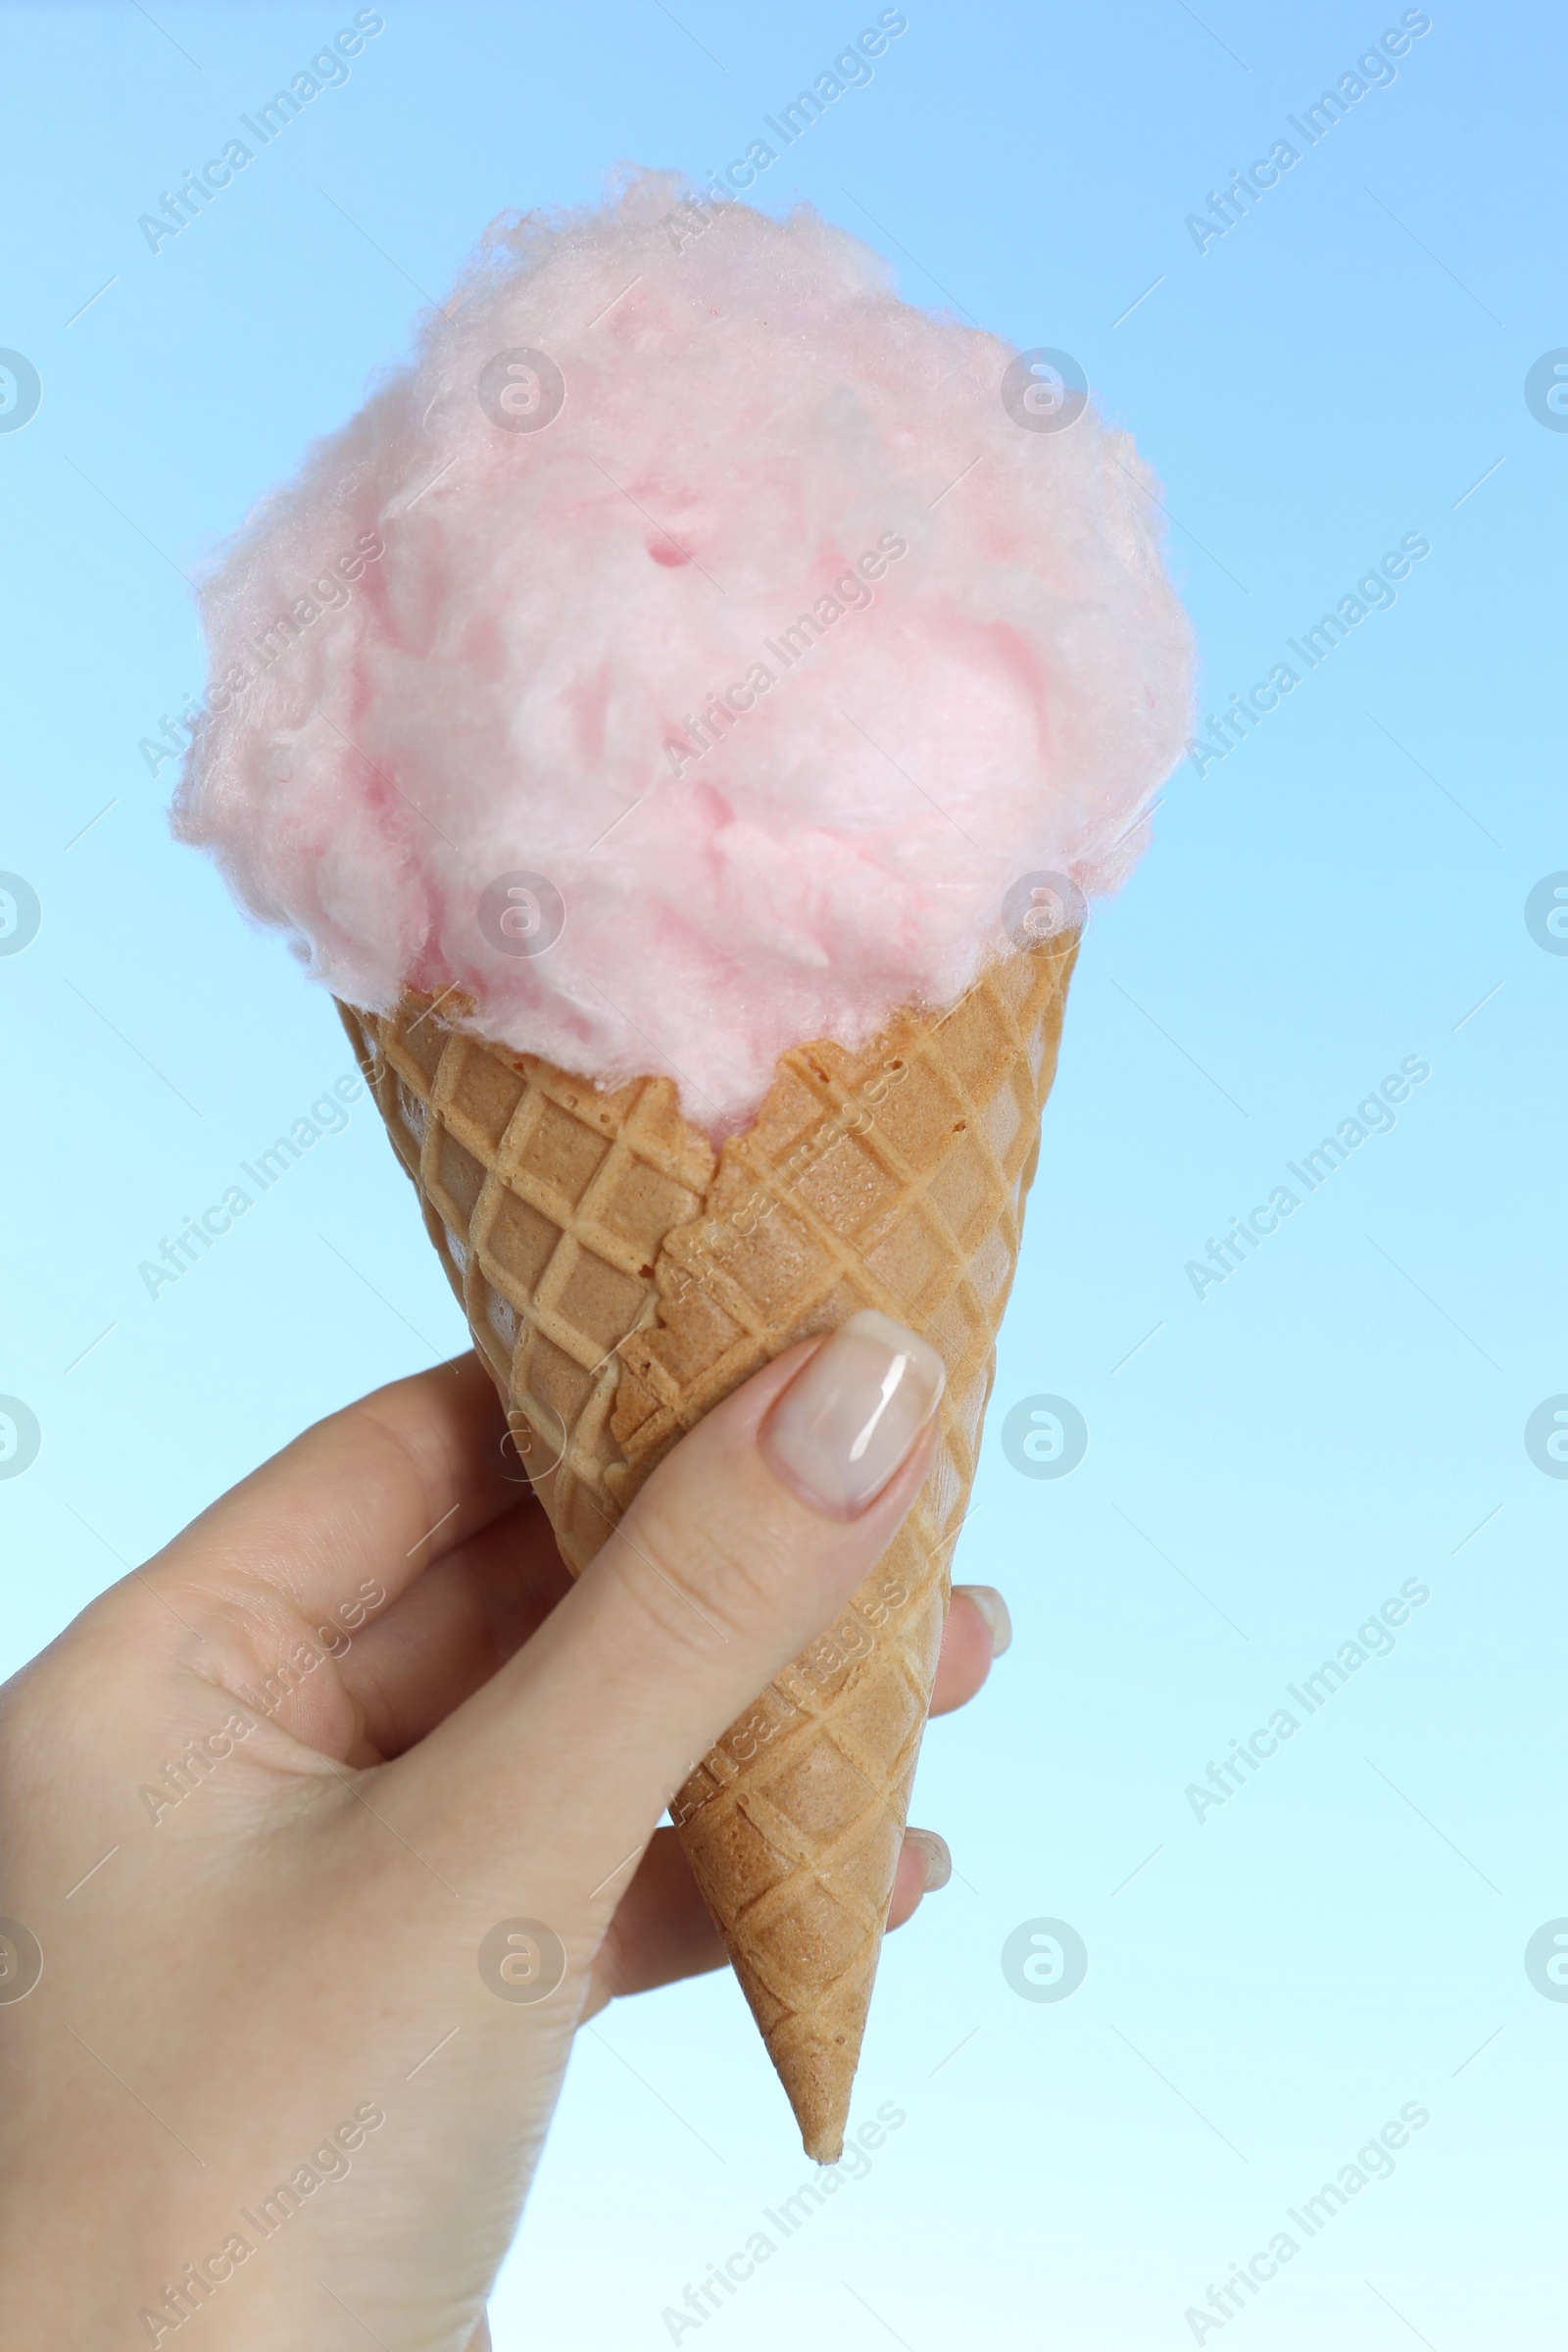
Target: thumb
744,1544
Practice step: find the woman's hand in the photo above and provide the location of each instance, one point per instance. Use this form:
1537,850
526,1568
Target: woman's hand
274,1805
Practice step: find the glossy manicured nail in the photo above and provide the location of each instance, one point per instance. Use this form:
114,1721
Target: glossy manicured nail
993,1610
847,1422
936,1862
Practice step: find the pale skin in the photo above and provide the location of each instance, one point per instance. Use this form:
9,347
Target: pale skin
295,1940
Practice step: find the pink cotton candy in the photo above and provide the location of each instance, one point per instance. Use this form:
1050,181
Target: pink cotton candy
484,635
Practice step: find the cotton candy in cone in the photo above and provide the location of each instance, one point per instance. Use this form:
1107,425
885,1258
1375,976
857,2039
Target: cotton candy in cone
620,1278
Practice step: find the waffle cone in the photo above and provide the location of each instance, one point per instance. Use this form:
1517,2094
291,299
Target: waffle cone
620,1278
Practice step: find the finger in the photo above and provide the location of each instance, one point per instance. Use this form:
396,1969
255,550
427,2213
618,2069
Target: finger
977,1631
369,1495
663,1931
925,1866
454,1627
743,1546
474,1610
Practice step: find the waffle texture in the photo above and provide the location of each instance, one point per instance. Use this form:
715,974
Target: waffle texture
620,1278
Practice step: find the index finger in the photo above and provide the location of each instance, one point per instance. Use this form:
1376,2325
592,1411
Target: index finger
376,1492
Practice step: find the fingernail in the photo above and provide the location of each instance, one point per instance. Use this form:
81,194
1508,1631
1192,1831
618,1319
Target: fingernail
993,1610
844,1426
935,1860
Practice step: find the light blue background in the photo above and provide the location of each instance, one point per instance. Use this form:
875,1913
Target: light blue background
1342,368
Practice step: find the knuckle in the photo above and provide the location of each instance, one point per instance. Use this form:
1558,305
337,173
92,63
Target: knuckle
697,1574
